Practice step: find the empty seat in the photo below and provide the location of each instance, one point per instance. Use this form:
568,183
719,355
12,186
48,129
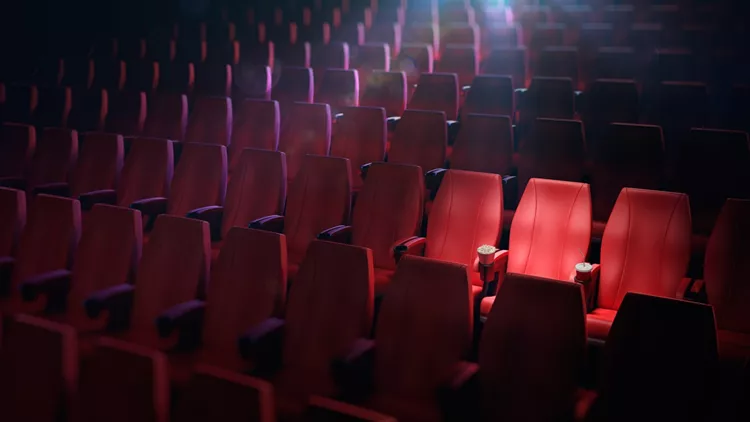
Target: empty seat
645,37
126,113
548,97
610,101
78,73
681,106
211,121
421,138
123,381
223,52
160,49
484,144
12,220
252,81
257,126
292,55
88,110
17,145
167,117
38,369
614,63
387,90
626,155
330,56
213,79
109,74
370,57
436,91
321,408
54,157
467,34
422,33
176,78
20,104
676,65
542,378
490,94
261,54
561,62
339,89
351,33
500,35
48,72
191,51
652,229
295,84
53,107
386,33
142,75
724,160
555,149
307,132
593,36
461,60
360,135
546,35
131,49
414,60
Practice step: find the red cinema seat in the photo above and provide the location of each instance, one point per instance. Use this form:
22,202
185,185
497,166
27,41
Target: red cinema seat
214,79
339,89
510,61
253,81
294,84
535,375
17,146
386,33
211,121
321,408
78,73
89,110
547,97
142,75
610,101
681,106
490,94
306,131
53,107
387,90
176,78
561,62
292,55
55,155
126,113
614,63
464,34
257,126
645,249
461,60
484,144
414,60
12,220
330,56
421,138
351,33
436,91
360,135
109,74
370,57
20,104
422,33
167,117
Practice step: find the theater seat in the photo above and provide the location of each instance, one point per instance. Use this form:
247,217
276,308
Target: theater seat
126,113
17,145
211,121
88,110
295,84
176,78
142,76
38,369
507,61
167,117
421,138
560,62
610,101
325,409
461,59
415,60
360,135
484,144
535,375
339,89
308,131
550,232
645,249
370,57
438,92
213,79
12,220
490,94
53,107
547,97
387,90
55,155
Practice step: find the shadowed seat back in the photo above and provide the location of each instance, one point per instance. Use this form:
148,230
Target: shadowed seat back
147,172
200,178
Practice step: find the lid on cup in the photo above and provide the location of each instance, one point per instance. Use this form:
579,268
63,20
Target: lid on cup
584,267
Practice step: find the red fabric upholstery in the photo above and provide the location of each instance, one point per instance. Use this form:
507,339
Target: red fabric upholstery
216,394
142,75
534,375
214,79
295,84
424,329
334,280
292,55
56,154
321,408
387,33
176,77
555,149
466,214
462,60
126,113
167,117
628,156
53,107
421,138
414,60
682,105
248,285
387,90
88,109
147,172
437,91
388,209
200,178
17,146
109,74
484,144
651,343
646,246
100,161
489,94
339,89
371,56
38,370
257,126
351,33
548,97
307,131
24,99
422,33
12,219
360,135
257,189
254,81
507,61
124,382
557,61
211,121
611,100
329,56
455,33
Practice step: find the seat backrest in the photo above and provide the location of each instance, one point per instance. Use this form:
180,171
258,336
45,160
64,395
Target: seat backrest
388,209
108,253
371,56
551,229
422,33
360,135
484,144
415,60
12,219
292,55
555,149
49,239
38,369
652,341
468,34
334,55
559,62
533,350
214,393
53,107
100,161
176,77
257,188
387,90
253,81
17,146
307,131
437,91
466,214
126,113
329,308
174,269
549,97
627,155
461,59
142,75
167,117
683,105
257,126
293,84
109,74
21,102
55,155
507,61
726,267
319,198
147,172
339,88
424,327
200,178
387,33
211,121
124,381
248,285
645,247
490,94
615,62
213,79
88,109
611,100
421,138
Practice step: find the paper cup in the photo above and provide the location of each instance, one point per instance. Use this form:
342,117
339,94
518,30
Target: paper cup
583,271
486,254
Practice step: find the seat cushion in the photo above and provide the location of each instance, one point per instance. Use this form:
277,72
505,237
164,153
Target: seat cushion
486,305
383,276
734,346
598,323
411,409
597,229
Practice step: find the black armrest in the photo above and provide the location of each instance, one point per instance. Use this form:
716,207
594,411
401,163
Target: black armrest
338,234
89,199
412,246
13,183
54,284
364,169
214,215
465,89
151,207
117,300
338,116
520,97
392,122
57,189
6,271
272,223
353,372
510,192
186,318
453,127
433,179
460,393
262,345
